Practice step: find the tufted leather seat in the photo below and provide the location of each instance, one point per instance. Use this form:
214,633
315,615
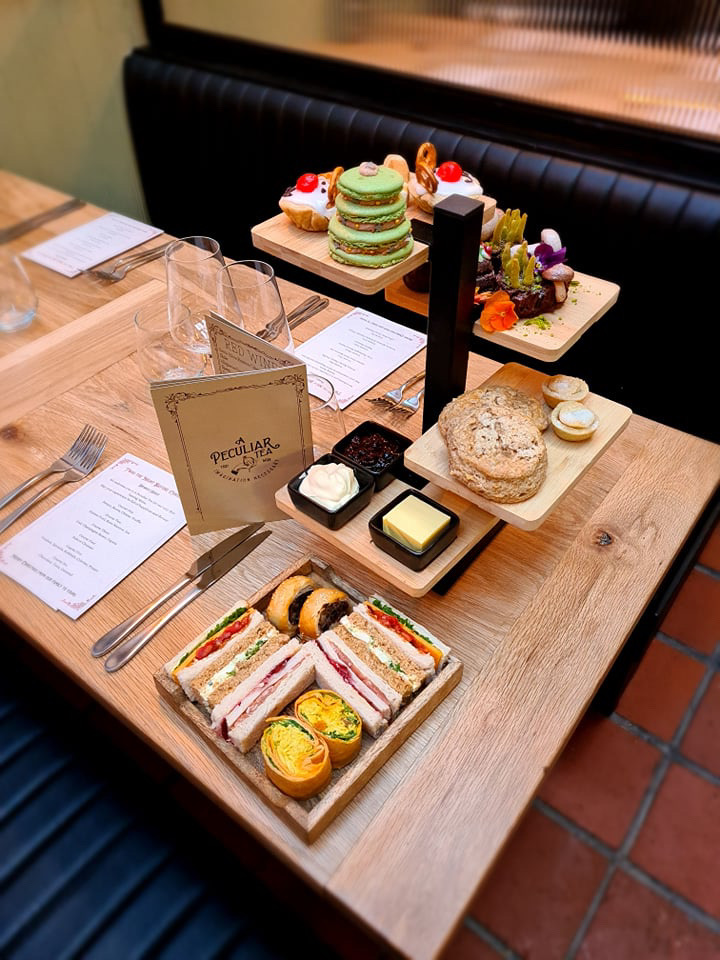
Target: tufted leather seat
215,152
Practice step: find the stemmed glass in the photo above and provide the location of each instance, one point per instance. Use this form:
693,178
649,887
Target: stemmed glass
326,417
247,295
192,264
159,354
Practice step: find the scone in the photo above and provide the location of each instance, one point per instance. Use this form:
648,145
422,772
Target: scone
573,421
501,456
559,388
498,399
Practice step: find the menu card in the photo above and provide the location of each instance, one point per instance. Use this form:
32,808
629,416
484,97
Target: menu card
358,351
91,540
234,438
92,243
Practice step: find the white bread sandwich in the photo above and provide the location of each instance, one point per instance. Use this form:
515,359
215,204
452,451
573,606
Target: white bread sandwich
208,646
339,668
419,644
280,677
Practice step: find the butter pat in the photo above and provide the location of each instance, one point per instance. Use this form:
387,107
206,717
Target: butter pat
415,524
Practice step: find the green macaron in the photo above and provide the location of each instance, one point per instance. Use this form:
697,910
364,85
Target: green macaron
367,239
373,260
375,213
378,185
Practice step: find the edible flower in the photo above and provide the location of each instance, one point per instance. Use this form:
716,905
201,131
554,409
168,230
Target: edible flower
547,257
498,313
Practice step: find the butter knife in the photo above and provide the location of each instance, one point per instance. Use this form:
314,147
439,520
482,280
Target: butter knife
126,651
25,226
113,637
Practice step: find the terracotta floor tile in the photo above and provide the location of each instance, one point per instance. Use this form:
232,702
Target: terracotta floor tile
601,777
702,741
465,945
661,689
633,923
538,893
694,616
679,842
710,553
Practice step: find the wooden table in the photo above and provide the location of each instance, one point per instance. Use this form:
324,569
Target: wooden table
538,619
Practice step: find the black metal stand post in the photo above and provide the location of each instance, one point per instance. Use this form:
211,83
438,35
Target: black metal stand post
457,224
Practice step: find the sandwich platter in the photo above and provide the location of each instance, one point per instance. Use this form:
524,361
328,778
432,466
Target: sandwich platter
309,817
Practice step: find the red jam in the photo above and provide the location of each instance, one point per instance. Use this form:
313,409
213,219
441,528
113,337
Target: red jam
307,183
372,451
449,171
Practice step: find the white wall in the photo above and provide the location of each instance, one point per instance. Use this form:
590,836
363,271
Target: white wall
62,110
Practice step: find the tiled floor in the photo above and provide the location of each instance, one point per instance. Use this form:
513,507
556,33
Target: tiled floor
619,856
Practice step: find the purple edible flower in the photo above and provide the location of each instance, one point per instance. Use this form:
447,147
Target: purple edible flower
547,257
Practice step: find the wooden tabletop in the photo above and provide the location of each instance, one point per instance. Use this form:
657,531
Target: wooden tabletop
537,619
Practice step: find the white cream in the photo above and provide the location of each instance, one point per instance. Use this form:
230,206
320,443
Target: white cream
329,484
467,188
581,418
316,200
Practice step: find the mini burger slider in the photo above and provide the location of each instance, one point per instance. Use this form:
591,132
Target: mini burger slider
276,680
419,644
286,602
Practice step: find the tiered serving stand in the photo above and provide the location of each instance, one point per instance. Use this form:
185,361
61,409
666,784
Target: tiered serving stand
452,241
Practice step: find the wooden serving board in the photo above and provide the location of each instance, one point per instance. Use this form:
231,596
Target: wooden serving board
567,461
302,248
354,537
308,818
586,303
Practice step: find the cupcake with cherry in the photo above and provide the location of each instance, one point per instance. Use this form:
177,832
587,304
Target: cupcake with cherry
311,202
432,183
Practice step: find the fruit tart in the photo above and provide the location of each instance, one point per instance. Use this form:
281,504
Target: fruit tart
432,183
311,202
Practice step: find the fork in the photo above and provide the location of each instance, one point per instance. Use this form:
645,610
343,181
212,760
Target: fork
412,404
394,397
85,463
87,436
122,265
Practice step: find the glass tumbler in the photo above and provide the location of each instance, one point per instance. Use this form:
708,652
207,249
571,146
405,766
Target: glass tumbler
191,265
18,302
248,296
326,417
159,355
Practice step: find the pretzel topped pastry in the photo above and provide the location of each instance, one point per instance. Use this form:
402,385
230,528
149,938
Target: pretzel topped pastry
311,202
432,183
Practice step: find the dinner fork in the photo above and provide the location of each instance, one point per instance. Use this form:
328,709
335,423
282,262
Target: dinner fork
412,404
394,397
122,265
87,437
85,464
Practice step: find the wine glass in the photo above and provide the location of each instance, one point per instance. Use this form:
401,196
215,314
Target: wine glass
326,417
247,295
192,264
159,355
18,301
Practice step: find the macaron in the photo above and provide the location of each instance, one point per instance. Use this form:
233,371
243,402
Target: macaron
369,183
364,213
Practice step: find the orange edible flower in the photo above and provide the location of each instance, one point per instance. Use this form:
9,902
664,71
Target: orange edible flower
498,313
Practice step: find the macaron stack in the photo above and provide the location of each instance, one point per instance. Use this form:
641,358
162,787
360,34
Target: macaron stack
370,228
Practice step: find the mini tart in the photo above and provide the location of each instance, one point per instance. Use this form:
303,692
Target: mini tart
560,388
296,759
334,721
573,421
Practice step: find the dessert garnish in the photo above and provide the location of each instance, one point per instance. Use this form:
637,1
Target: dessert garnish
449,172
498,312
372,451
331,485
368,169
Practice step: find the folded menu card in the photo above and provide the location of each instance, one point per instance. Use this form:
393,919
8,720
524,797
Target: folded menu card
233,439
92,243
358,351
90,541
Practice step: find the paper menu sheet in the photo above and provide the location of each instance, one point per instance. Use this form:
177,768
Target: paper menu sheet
90,541
358,351
92,243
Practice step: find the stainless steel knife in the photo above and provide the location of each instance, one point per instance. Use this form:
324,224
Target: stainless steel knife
113,637
118,658
24,226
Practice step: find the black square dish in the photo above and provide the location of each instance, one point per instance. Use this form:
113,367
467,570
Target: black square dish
333,519
389,467
415,560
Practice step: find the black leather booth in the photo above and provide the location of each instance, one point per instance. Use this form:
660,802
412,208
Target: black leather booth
215,151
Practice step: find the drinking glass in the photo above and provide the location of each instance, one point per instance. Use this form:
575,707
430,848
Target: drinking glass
247,295
326,418
191,264
18,301
159,355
